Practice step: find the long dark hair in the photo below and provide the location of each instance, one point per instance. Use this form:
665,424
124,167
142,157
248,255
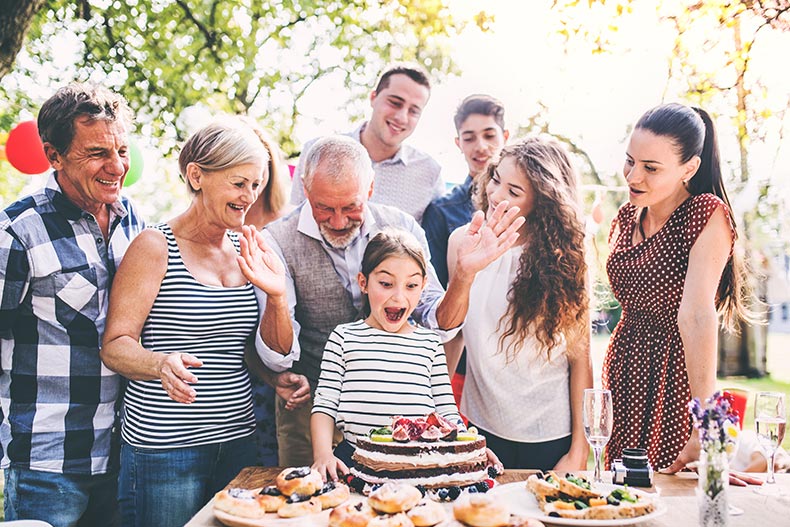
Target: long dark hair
692,132
548,297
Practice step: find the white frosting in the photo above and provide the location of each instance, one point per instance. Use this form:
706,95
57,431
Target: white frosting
444,480
429,459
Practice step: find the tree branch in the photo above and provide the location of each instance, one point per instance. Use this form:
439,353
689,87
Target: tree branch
209,35
15,19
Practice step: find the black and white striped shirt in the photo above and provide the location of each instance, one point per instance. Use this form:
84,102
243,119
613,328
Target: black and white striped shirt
369,375
212,323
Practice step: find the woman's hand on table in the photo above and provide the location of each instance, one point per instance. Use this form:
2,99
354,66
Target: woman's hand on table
689,454
737,479
293,389
330,467
741,479
572,461
176,378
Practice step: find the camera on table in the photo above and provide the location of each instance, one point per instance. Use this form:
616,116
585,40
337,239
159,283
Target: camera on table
633,469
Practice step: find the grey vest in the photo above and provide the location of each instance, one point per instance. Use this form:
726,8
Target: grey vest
322,303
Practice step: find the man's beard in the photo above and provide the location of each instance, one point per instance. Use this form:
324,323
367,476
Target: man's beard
340,242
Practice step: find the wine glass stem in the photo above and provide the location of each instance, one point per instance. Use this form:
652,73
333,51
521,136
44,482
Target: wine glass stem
597,472
771,478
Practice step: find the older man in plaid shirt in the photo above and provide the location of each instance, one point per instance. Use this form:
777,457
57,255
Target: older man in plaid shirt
59,249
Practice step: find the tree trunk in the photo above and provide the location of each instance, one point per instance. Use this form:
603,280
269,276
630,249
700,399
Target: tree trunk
15,19
745,352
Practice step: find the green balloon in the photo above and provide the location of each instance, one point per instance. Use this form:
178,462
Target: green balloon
135,165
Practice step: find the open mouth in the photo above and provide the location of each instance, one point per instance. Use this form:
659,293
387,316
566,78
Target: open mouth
395,128
106,182
394,314
235,207
635,191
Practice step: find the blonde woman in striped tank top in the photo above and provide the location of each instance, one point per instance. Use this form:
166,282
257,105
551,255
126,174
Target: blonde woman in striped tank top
180,313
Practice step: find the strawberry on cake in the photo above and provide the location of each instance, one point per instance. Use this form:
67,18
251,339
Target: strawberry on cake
428,451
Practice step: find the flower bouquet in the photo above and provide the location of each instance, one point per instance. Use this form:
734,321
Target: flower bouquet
717,424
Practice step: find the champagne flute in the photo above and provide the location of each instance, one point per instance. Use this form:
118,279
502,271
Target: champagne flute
597,418
769,421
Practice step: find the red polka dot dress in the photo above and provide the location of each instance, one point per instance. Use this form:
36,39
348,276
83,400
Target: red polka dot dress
645,364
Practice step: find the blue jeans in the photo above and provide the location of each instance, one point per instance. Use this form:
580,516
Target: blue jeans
166,487
63,500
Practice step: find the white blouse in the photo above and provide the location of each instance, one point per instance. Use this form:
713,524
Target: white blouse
526,400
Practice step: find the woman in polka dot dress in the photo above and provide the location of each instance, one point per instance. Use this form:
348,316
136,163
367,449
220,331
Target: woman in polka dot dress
672,269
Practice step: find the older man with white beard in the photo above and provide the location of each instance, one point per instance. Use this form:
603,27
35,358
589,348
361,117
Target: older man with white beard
322,243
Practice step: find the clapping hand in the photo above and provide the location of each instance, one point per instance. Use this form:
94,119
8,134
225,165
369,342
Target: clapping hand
260,264
486,240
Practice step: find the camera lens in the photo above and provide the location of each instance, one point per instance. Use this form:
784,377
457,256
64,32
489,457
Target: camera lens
635,457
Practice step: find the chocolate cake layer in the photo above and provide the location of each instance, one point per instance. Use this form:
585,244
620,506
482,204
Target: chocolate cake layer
441,480
420,472
413,448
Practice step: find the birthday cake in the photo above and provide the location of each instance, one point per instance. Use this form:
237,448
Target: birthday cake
429,451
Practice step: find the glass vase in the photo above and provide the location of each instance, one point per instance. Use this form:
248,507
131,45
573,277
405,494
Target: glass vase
713,488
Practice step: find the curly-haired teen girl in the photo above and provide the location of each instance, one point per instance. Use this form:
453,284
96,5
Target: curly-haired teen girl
527,332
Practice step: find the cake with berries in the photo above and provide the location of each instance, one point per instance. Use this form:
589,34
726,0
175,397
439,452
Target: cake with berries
429,451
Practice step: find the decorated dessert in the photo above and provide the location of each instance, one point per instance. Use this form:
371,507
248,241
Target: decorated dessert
298,492
429,451
574,497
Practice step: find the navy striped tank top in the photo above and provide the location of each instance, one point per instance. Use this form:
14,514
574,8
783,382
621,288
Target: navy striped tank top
212,323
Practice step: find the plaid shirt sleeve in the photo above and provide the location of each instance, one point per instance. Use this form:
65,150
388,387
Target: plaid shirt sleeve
14,280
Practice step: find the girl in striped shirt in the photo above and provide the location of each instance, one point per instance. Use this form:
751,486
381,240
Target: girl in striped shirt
382,366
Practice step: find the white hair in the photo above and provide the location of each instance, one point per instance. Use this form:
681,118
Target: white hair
343,159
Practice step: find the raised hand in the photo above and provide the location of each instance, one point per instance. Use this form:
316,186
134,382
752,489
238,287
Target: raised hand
486,240
260,264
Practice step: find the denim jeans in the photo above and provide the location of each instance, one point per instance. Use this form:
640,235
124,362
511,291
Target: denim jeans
63,500
166,487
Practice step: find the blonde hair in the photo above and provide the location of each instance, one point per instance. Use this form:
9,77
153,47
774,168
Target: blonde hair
221,145
274,195
337,152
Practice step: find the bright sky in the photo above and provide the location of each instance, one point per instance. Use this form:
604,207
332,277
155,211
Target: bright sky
591,98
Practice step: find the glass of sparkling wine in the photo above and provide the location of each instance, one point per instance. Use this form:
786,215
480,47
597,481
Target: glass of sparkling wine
597,418
770,420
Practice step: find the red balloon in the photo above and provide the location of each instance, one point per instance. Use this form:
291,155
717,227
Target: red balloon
24,149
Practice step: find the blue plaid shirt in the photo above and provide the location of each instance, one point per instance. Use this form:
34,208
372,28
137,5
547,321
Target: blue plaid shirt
58,399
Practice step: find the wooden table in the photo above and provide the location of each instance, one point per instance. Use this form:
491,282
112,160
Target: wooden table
677,492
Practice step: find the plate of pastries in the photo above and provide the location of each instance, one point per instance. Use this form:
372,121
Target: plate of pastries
300,497
574,500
